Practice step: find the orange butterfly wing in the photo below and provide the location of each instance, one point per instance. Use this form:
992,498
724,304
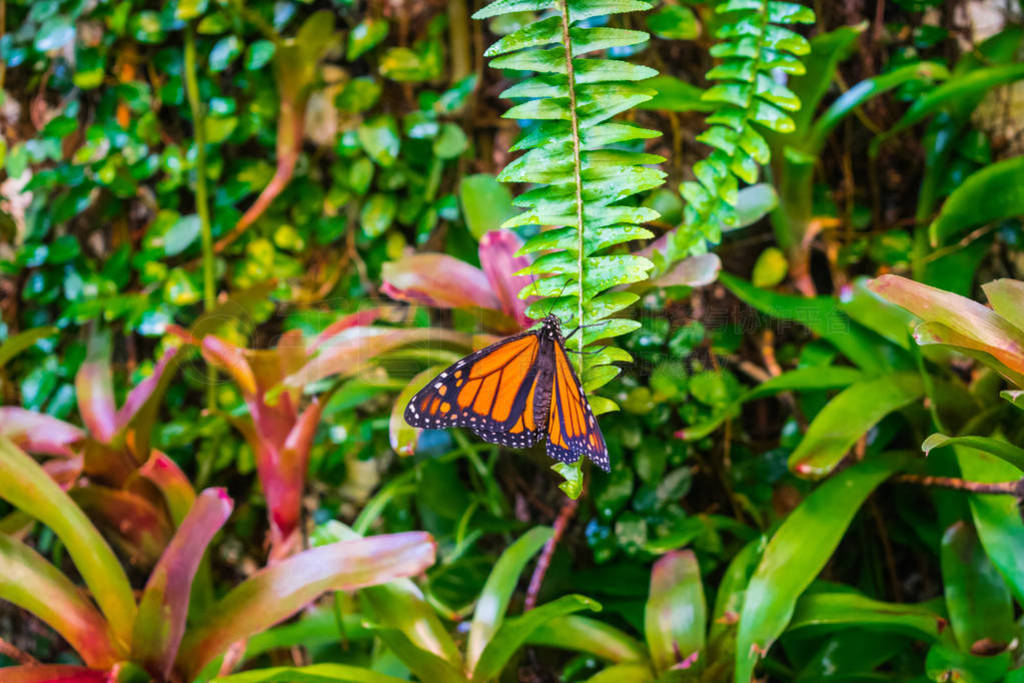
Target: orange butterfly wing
491,391
572,428
513,391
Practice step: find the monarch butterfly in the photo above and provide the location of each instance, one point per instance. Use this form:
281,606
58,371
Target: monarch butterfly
511,393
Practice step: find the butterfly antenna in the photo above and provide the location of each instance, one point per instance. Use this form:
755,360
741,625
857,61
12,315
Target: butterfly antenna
580,327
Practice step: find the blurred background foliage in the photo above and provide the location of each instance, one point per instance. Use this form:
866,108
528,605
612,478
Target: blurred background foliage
264,301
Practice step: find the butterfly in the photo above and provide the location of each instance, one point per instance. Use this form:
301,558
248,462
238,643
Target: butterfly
513,393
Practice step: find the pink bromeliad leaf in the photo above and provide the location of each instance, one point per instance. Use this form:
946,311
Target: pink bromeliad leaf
38,433
439,281
278,591
163,608
499,261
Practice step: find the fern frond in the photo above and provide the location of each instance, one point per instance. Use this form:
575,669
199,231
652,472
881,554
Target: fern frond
755,41
579,181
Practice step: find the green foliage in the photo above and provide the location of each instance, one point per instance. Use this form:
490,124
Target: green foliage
755,39
810,482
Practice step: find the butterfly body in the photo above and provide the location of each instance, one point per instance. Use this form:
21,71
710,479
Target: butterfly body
514,393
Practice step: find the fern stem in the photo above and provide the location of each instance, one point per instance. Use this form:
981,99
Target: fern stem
577,170
201,196
758,56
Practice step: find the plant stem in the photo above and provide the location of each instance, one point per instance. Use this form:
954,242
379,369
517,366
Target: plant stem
1014,488
544,561
202,198
458,32
574,121
21,657
256,20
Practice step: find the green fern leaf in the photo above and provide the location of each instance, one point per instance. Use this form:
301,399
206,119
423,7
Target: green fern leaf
579,183
755,40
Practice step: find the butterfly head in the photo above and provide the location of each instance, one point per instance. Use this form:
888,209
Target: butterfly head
551,326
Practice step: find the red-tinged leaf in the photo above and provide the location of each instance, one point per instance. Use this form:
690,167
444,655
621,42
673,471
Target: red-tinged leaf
140,529
350,352
144,390
186,336
960,314
360,319
277,592
927,334
29,581
64,471
173,484
38,433
676,613
284,480
107,464
94,388
232,360
164,605
1007,299
141,405
53,673
439,281
270,366
26,486
499,262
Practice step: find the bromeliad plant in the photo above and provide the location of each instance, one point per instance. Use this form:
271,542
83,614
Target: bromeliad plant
109,467
407,625
281,425
278,431
157,638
